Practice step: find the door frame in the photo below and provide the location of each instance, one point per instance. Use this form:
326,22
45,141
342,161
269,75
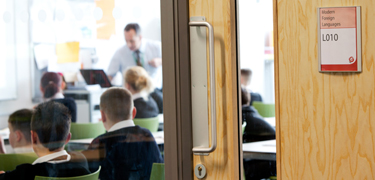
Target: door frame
178,146
277,90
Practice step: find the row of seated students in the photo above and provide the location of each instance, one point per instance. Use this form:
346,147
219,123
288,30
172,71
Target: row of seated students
147,99
125,151
256,129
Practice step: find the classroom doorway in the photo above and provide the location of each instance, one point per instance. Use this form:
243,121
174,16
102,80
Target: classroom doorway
257,87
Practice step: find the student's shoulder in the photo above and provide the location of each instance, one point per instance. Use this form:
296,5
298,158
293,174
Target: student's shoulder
23,171
69,100
142,131
131,131
65,100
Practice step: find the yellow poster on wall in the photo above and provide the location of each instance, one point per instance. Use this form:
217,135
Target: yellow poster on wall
105,25
67,52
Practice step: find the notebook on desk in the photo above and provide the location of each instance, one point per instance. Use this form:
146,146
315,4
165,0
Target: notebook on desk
96,76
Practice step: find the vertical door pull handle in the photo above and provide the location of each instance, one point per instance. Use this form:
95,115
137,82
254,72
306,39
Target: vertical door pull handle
212,87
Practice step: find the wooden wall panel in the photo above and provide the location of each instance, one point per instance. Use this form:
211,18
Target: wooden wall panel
326,121
223,163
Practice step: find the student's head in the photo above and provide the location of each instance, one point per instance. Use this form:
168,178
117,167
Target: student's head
245,97
50,84
246,77
116,105
19,127
50,127
133,37
137,80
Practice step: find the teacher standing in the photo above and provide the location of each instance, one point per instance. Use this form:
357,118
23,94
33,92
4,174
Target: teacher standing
138,51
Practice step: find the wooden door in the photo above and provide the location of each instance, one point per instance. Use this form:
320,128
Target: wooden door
325,121
223,163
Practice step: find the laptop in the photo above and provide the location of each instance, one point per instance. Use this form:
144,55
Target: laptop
96,76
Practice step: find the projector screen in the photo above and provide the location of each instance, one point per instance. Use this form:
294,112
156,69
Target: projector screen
8,83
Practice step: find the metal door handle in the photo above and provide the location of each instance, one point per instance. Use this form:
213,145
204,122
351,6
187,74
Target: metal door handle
212,87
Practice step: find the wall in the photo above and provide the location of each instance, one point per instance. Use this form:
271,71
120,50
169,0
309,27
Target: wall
325,121
23,67
132,11
144,12
252,34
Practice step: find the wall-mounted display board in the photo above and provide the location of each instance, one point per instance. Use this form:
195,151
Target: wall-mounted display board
339,39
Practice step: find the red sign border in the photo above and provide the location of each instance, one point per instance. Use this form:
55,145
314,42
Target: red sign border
340,67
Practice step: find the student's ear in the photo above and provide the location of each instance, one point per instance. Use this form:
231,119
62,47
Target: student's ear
63,85
134,112
18,135
41,89
68,138
34,137
127,86
104,118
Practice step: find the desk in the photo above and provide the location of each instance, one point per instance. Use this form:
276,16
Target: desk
161,122
87,104
4,133
262,150
80,144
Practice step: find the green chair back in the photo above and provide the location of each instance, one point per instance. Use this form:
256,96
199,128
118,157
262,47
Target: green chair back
157,171
9,162
265,110
151,124
86,130
92,176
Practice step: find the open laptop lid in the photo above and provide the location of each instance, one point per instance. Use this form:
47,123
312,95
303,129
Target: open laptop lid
96,76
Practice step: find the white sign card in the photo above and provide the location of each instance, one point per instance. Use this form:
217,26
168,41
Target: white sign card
339,39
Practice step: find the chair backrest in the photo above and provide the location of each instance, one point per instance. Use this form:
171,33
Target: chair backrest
157,172
243,127
151,124
265,110
92,176
9,162
86,130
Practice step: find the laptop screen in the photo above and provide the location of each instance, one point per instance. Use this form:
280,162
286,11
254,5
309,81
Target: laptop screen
96,76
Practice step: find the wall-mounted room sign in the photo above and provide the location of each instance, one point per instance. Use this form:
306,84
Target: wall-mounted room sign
339,39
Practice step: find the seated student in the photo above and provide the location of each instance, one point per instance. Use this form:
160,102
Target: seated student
51,86
256,130
19,128
139,83
246,75
50,131
157,95
126,151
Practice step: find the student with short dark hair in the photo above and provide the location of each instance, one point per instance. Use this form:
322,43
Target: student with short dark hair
126,151
246,75
50,131
19,128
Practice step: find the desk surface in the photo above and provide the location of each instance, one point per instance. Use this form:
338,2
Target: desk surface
4,133
159,138
260,147
262,150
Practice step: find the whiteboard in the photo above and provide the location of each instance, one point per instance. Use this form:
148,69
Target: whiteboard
8,83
